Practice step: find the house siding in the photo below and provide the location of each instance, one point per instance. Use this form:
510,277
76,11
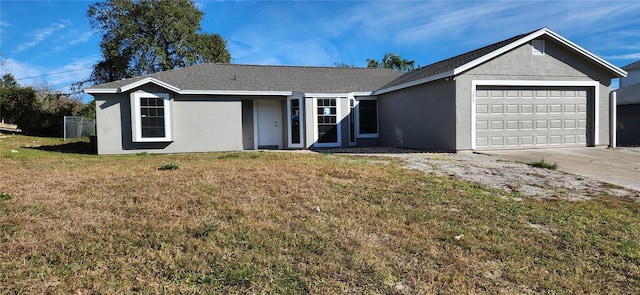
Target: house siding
628,129
199,124
557,64
420,117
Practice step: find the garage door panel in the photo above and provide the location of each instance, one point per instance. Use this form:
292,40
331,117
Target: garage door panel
541,108
582,108
582,124
512,141
570,108
555,109
569,124
497,125
512,124
482,125
526,125
512,109
482,109
525,118
555,139
497,109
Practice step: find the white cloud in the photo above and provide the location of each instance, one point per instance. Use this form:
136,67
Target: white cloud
59,78
76,38
40,35
625,56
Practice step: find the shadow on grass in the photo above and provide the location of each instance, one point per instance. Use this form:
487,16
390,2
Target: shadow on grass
80,147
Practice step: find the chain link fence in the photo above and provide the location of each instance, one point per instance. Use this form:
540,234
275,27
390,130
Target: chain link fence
78,127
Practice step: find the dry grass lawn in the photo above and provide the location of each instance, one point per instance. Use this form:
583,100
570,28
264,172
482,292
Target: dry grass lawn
263,222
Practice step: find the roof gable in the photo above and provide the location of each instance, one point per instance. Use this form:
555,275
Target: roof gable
466,61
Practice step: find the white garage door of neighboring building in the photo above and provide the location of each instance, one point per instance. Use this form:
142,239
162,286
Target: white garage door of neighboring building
513,118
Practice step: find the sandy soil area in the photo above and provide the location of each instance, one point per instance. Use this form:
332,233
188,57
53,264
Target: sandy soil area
504,175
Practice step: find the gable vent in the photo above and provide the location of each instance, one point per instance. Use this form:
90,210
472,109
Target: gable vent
537,47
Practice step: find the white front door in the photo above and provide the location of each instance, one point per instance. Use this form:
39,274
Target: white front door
269,123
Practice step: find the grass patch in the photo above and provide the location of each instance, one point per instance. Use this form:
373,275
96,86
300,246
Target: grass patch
5,196
169,166
291,223
544,165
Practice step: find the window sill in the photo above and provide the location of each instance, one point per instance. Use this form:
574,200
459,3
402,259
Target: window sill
367,136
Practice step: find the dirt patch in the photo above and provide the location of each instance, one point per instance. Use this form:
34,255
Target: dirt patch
516,177
495,173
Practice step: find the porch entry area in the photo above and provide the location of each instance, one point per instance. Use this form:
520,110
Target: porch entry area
268,124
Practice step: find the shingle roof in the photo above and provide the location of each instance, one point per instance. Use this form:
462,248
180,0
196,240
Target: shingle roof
632,66
235,77
452,63
628,95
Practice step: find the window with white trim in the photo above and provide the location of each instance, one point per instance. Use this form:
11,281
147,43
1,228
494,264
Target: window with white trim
151,117
367,118
295,121
327,120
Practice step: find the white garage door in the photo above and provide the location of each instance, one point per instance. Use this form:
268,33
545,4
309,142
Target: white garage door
514,118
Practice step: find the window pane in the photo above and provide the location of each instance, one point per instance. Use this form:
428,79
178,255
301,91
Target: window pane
368,116
152,117
327,120
295,121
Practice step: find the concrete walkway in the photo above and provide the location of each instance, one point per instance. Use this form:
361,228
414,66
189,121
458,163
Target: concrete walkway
620,166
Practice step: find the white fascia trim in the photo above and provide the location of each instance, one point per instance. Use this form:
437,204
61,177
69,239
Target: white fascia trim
237,92
528,38
511,46
594,84
589,54
495,53
149,80
100,90
337,94
414,83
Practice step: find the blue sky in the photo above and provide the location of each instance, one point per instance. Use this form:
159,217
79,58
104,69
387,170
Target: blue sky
52,43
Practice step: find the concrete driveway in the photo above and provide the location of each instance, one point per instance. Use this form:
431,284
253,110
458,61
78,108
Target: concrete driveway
620,166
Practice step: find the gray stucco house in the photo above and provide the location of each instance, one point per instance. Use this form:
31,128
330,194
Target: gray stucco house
628,107
533,90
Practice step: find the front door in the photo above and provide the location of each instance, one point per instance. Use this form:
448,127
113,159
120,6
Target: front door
269,124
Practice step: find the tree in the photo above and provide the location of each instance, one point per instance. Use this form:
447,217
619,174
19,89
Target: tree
343,65
147,36
20,106
392,61
8,81
36,110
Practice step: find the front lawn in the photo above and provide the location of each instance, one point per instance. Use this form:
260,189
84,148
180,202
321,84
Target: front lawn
290,223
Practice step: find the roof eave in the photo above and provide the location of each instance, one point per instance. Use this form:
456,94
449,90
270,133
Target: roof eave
132,85
616,70
414,83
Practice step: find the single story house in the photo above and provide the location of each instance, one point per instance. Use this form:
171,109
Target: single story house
535,90
628,107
